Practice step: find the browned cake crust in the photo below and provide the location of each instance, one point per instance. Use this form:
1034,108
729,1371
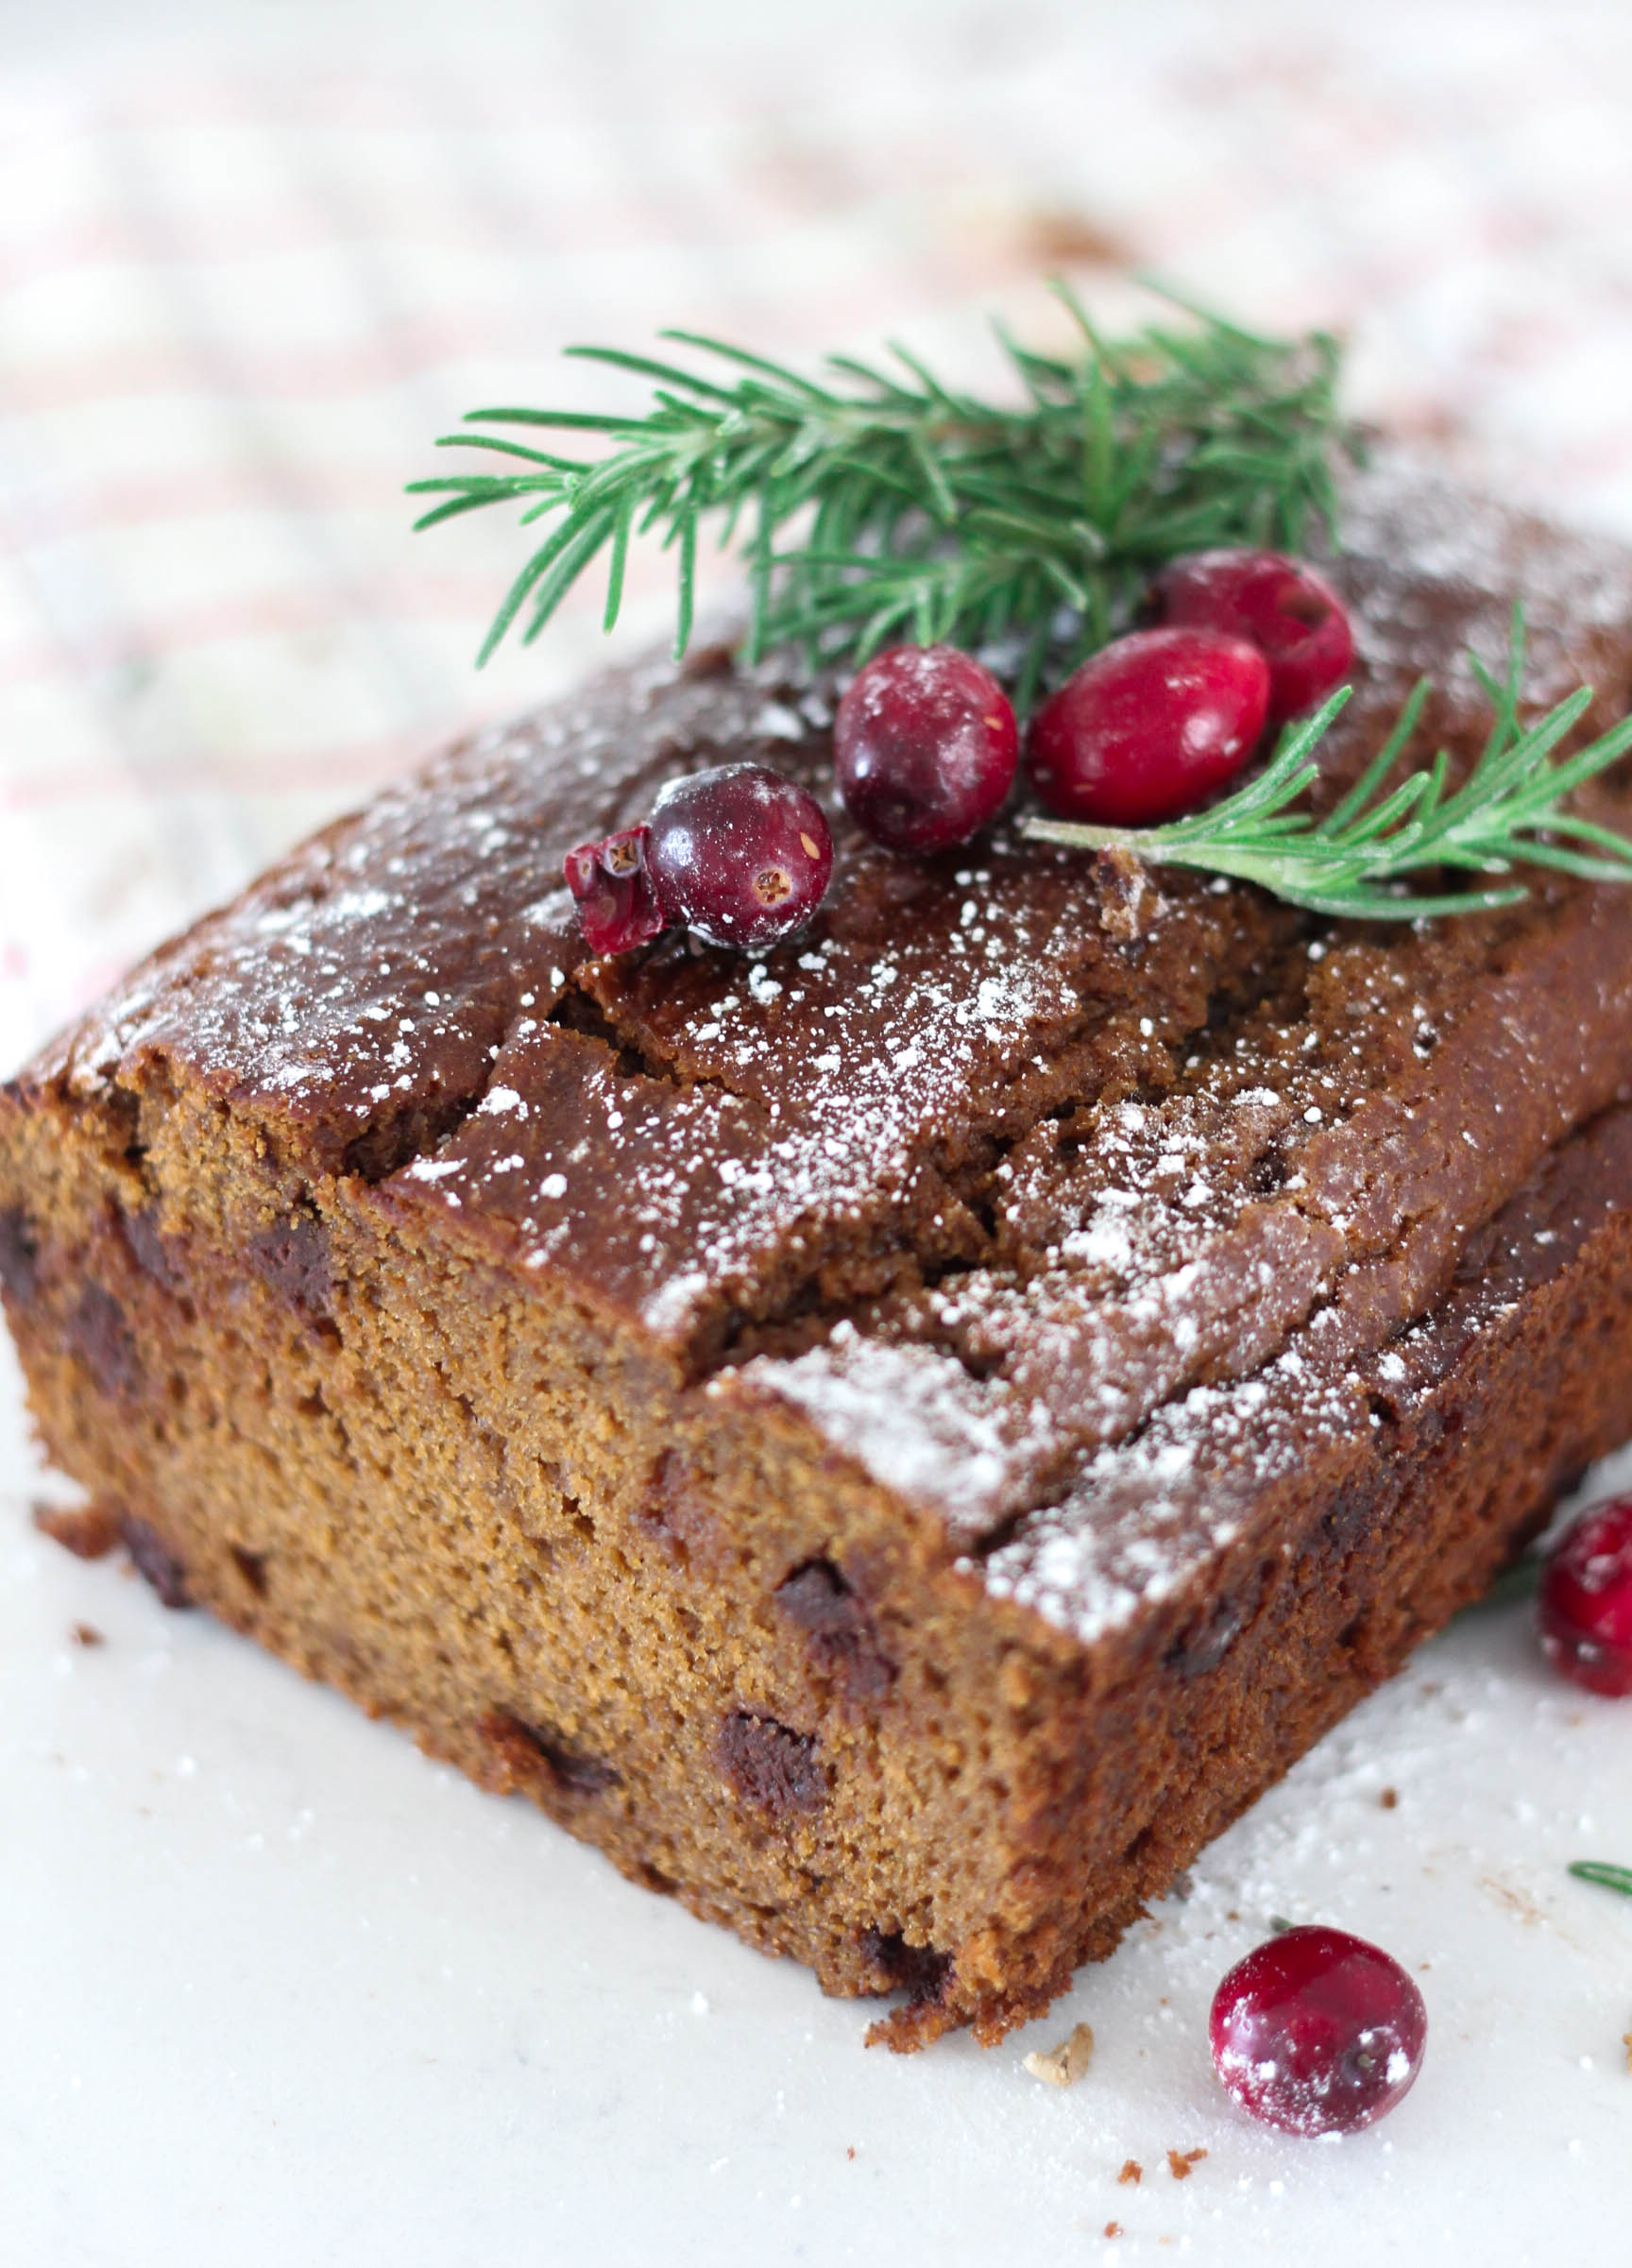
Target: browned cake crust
900,1442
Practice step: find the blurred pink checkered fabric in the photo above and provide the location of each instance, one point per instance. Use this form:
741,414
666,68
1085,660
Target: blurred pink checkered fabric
248,276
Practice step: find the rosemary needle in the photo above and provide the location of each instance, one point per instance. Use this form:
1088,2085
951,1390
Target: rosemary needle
1608,1878
880,505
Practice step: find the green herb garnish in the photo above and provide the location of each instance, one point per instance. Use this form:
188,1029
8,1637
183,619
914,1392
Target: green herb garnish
1608,1878
1356,858
1520,1581
882,506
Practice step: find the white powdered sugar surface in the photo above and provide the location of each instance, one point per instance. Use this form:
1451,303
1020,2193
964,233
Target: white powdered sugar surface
914,1420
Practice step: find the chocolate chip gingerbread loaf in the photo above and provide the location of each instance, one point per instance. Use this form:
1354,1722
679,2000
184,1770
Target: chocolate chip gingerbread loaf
899,1439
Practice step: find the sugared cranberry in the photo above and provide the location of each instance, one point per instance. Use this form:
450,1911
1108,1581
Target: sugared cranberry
1316,2032
740,855
611,884
1150,727
1292,615
924,746
1585,1605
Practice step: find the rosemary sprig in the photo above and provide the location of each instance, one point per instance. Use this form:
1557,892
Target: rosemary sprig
883,506
1520,1581
1608,1878
1356,860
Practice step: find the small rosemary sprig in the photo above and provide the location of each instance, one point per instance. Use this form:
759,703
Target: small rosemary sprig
1607,1877
1357,859
882,506
1520,1581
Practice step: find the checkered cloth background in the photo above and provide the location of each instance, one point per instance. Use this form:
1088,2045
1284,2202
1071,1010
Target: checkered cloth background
253,259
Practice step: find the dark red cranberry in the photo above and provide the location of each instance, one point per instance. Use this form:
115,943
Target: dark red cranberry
1585,1607
616,899
926,747
1292,615
740,854
1316,2032
1150,727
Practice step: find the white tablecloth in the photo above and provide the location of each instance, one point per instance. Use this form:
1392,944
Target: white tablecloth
253,260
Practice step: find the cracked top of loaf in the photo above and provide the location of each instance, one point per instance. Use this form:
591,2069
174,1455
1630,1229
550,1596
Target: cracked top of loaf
1009,1152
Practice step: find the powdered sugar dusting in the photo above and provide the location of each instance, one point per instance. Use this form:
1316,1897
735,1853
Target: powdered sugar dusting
1147,1514
915,1421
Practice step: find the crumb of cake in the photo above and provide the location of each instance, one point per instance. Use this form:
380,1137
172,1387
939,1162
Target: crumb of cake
1113,2228
1389,1798
1065,2065
1054,237
1128,900
86,1633
1626,2043
90,1533
1131,2171
1180,2162
1518,1902
155,1563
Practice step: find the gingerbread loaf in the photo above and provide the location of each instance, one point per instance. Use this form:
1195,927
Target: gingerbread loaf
900,1441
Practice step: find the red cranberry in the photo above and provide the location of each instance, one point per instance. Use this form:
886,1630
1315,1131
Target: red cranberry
611,884
1316,2032
1150,727
1585,1608
1292,615
740,855
926,747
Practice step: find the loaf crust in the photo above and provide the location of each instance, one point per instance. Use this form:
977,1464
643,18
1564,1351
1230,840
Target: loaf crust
901,1441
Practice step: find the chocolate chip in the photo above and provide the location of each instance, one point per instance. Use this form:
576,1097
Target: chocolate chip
100,1337
817,1597
157,1255
293,1258
1206,1642
676,1513
528,1752
844,1644
155,1563
19,1253
1202,1645
716,660
917,1969
251,1565
1353,1511
89,1533
766,1765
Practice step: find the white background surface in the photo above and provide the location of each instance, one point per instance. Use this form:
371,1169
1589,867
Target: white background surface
273,1990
